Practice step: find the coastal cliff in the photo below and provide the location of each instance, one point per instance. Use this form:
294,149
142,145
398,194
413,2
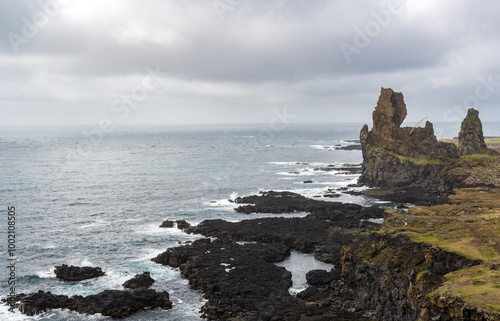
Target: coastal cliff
411,160
438,262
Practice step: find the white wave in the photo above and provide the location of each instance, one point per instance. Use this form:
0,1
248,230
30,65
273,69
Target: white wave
233,196
45,274
324,147
374,220
297,173
154,229
86,262
96,223
298,163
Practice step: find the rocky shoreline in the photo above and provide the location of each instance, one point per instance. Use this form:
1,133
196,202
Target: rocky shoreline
385,273
436,262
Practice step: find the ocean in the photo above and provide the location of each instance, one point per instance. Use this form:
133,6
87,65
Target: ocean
84,197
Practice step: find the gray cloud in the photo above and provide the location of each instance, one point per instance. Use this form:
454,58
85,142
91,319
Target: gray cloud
262,55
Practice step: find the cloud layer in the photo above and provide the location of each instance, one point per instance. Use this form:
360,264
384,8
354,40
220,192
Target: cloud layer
235,61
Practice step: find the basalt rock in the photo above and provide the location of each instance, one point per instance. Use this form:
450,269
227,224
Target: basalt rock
470,138
407,159
288,202
238,280
77,273
139,280
324,239
112,303
389,277
388,116
242,283
167,224
322,277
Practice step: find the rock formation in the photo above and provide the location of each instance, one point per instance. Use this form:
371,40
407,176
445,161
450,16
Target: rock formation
470,138
139,280
391,276
411,162
114,303
388,116
407,159
77,273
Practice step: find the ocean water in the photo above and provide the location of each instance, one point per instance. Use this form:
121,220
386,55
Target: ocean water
84,197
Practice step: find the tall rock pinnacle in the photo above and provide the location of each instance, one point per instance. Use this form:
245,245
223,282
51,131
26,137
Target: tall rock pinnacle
389,113
470,138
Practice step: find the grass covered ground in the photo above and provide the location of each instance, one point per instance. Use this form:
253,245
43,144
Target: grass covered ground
491,142
469,224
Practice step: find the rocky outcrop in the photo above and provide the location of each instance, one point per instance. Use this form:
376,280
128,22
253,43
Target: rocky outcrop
322,277
406,159
470,172
77,273
288,202
112,303
445,307
386,133
238,280
139,280
242,283
323,232
389,277
181,224
470,138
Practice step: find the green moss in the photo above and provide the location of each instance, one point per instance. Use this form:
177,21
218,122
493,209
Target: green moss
417,159
421,274
487,252
477,157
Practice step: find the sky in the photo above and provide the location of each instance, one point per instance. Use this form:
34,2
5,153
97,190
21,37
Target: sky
102,62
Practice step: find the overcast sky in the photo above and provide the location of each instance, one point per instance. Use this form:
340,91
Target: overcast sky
243,61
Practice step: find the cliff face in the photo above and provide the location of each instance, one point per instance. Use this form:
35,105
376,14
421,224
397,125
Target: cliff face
391,277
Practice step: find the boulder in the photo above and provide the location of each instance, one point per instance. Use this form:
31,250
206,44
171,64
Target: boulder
139,280
167,224
322,277
77,273
182,225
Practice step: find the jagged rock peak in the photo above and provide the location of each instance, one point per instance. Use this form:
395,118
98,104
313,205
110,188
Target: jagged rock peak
390,111
470,138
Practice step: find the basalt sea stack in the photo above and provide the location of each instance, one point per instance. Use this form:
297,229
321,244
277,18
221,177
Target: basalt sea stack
404,159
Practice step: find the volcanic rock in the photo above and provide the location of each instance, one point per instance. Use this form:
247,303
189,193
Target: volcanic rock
322,277
407,159
139,280
167,224
77,273
112,303
288,202
470,138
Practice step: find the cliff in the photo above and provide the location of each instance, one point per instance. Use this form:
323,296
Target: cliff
444,264
411,160
438,262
